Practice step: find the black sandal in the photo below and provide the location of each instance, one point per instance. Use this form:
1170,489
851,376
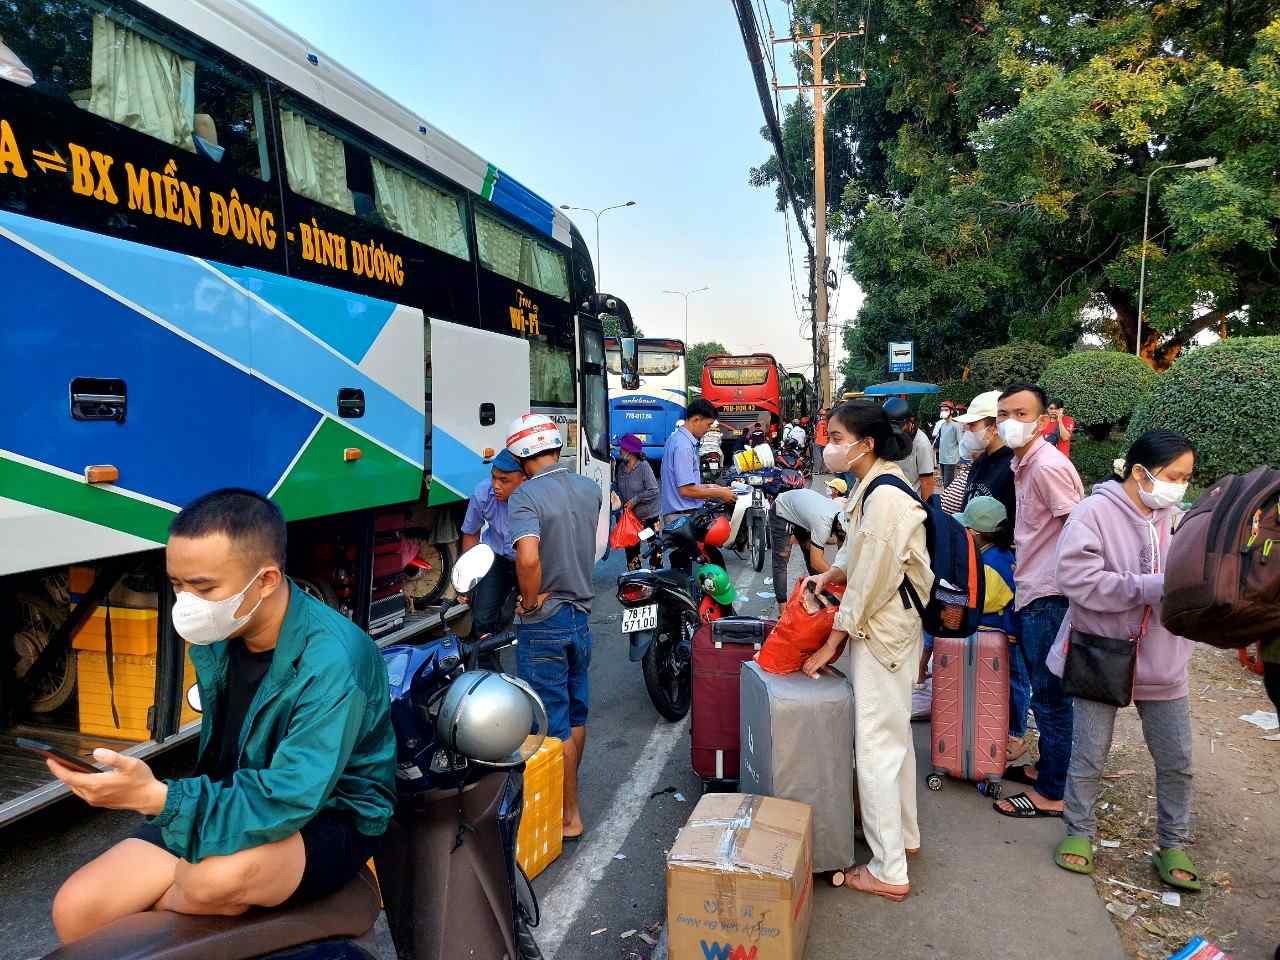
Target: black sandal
1019,774
1024,808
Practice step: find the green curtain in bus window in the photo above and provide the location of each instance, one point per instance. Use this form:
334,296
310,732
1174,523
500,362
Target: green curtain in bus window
316,162
141,84
550,375
549,272
500,246
417,211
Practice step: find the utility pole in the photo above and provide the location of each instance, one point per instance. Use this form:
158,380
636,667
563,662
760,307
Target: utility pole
820,45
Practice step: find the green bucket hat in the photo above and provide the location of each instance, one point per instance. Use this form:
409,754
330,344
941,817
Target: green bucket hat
715,581
983,514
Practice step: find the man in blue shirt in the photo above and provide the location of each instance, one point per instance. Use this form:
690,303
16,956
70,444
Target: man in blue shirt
487,522
682,486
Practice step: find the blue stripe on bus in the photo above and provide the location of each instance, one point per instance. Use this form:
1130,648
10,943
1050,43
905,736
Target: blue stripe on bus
204,304
193,422
517,199
455,464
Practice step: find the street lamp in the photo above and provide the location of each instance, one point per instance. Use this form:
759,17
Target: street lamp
1202,164
596,214
686,294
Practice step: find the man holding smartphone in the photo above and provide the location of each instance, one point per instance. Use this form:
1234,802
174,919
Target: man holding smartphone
292,790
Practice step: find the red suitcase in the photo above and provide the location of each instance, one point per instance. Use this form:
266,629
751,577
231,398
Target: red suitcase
970,708
719,650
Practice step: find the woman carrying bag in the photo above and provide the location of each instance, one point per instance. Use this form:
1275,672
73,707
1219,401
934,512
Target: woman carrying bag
637,488
1112,647
885,544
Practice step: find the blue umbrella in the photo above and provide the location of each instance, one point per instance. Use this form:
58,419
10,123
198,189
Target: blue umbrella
894,387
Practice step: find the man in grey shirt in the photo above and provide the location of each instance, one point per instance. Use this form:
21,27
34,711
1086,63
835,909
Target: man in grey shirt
919,465
553,526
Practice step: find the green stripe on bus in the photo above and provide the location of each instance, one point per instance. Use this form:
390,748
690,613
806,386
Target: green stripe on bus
40,488
322,482
490,178
439,494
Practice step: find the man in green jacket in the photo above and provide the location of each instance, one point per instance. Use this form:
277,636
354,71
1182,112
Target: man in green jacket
295,780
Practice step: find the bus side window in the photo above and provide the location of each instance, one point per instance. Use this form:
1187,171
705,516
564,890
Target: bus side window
520,257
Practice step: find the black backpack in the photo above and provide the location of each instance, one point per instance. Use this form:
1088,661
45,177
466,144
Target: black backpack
955,603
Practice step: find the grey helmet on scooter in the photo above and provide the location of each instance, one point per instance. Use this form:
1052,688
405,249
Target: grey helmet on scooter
487,717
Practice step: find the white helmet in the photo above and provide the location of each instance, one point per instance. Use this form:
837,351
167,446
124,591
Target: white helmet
533,434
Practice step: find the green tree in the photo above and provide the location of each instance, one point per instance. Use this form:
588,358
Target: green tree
991,175
612,329
696,355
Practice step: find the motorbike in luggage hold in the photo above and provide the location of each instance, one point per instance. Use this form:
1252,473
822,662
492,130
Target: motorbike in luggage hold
447,866
663,608
970,720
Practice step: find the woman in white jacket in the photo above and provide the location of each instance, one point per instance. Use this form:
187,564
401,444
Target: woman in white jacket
885,544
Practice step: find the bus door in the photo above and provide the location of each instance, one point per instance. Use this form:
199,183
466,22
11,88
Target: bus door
593,420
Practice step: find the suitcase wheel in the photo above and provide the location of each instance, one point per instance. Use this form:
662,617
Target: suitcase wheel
837,878
935,781
990,788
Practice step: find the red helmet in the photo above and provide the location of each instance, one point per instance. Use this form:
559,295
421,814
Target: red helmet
718,532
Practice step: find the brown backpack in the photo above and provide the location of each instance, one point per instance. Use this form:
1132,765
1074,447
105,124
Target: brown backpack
1222,575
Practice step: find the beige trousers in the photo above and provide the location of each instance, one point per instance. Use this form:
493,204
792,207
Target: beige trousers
886,759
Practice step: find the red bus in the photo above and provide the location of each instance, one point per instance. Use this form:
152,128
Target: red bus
747,390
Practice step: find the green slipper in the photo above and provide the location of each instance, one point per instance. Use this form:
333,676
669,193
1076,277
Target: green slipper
1167,861
1077,847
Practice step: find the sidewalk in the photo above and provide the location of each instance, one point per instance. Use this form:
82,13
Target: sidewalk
983,886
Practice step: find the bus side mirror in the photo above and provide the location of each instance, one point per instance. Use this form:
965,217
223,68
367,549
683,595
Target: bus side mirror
629,355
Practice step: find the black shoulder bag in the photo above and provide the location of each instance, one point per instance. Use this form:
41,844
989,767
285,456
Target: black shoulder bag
1102,669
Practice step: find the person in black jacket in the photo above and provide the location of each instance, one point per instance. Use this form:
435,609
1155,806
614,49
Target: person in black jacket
991,474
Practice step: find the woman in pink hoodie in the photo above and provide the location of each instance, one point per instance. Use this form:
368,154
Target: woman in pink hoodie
1110,568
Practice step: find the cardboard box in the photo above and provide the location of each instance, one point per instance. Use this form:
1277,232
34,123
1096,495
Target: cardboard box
740,880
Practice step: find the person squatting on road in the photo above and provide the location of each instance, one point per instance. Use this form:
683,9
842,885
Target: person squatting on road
813,519
1047,489
553,526
637,488
885,543
488,521
290,796
1110,567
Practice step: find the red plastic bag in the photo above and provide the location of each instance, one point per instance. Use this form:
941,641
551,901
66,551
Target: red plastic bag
626,532
803,627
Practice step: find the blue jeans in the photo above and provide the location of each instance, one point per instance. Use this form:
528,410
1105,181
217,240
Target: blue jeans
1019,693
490,594
1053,710
554,656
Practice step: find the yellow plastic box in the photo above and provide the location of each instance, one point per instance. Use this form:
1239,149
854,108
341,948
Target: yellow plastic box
133,644
541,836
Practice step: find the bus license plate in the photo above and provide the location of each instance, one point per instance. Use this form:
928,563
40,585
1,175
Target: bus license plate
639,618
738,408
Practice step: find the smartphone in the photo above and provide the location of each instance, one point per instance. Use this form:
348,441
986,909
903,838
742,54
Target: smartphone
79,764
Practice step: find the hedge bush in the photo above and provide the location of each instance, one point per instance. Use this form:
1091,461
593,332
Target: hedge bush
1099,388
1226,399
1019,361
1095,459
957,391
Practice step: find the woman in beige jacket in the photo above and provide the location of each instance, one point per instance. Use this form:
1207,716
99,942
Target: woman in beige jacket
886,543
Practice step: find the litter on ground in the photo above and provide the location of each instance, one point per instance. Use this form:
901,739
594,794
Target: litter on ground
1262,719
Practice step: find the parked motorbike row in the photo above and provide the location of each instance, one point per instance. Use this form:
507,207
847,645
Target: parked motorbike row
449,880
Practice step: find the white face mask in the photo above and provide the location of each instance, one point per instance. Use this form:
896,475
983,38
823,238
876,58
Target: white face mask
973,443
203,622
946,414
1163,493
836,456
1017,433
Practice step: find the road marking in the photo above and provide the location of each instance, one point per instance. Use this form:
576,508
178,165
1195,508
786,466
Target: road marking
561,906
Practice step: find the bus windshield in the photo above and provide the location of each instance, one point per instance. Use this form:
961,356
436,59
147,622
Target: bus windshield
738,376
652,363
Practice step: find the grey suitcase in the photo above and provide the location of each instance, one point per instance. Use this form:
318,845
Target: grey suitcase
797,744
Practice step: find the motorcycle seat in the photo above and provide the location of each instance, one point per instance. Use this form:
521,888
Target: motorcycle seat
160,935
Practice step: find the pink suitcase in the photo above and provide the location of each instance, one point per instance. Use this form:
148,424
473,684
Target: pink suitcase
970,708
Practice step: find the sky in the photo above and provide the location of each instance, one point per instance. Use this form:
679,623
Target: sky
593,103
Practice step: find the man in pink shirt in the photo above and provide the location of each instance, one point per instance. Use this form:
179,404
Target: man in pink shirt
1046,487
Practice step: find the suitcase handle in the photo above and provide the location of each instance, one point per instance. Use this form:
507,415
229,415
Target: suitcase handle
737,630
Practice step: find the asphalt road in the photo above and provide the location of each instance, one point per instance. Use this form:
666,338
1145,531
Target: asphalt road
985,886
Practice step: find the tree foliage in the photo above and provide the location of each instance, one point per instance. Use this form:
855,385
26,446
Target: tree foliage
1018,362
613,329
696,355
1099,388
991,175
1224,399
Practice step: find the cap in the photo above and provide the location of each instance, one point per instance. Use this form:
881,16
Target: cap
505,462
981,407
983,514
715,581
631,443
839,485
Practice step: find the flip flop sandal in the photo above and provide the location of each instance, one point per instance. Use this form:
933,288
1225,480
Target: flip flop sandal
1167,861
1019,774
1024,809
1074,846
863,881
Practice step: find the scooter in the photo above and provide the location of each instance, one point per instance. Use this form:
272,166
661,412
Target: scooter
711,464
447,868
661,609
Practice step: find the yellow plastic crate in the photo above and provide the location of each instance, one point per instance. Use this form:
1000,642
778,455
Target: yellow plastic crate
135,692
541,837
